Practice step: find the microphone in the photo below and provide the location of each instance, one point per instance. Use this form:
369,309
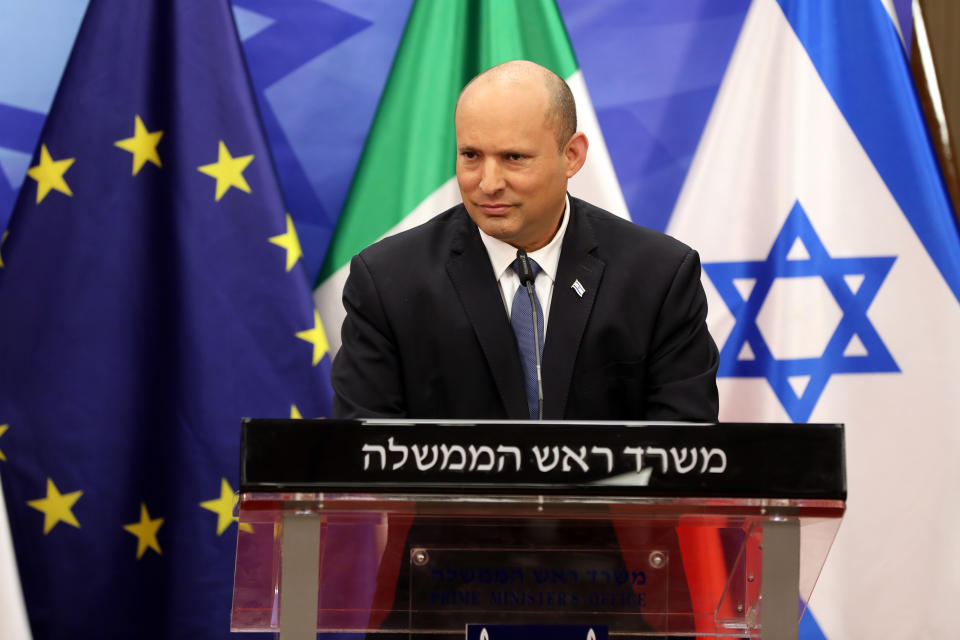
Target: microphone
524,270
527,280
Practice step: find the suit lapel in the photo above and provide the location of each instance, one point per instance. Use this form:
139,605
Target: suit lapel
469,270
569,311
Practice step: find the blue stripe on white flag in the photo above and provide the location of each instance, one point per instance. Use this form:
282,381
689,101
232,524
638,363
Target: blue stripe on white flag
809,630
872,86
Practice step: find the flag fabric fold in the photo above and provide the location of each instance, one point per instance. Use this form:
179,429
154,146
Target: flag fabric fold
13,612
830,257
151,297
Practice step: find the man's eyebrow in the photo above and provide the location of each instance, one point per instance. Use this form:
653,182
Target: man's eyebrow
497,152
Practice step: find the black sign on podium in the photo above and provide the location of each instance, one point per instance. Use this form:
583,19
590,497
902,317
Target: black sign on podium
497,530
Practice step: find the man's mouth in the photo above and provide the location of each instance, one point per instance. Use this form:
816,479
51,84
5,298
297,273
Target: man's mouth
495,208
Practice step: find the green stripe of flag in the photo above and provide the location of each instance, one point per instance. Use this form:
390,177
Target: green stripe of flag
410,150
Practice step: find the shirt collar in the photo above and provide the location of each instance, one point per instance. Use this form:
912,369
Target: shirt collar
502,254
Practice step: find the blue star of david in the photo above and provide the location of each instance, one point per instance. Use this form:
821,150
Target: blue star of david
853,302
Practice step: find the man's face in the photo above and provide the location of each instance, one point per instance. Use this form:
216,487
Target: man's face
512,175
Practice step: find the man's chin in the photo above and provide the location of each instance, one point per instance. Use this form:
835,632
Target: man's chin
500,227
500,232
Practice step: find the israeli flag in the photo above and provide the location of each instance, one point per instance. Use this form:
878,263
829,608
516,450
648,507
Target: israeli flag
832,268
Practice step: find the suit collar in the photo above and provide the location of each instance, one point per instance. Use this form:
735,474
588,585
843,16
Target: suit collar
570,308
469,270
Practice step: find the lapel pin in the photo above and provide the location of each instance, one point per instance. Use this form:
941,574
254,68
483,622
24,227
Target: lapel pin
576,286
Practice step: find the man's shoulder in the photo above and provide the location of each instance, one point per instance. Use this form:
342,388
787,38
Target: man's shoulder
615,234
425,240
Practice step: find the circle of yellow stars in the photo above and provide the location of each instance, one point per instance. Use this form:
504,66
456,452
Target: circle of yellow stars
227,171
57,507
50,175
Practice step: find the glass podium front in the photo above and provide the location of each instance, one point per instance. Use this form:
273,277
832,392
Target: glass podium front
385,529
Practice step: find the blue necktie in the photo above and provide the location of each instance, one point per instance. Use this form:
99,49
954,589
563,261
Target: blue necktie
521,319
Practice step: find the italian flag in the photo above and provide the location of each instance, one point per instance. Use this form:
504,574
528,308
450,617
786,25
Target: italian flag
406,173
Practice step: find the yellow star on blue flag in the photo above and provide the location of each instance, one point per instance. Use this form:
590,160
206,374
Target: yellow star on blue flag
145,531
49,174
227,170
317,337
143,145
177,321
56,507
223,506
290,242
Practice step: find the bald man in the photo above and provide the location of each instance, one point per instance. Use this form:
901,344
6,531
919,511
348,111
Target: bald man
621,311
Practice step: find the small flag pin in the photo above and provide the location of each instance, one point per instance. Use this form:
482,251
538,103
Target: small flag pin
576,286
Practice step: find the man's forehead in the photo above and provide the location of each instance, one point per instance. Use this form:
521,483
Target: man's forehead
502,125
515,82
502,99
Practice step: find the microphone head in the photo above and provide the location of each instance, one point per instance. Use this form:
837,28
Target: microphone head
523,268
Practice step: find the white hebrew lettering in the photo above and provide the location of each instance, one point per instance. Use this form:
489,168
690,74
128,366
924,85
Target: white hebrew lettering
368,449
542,458
501,449
638,452
448,451
580,459
678,461
706,455
603,451
420,456
398,448
657,451
475,453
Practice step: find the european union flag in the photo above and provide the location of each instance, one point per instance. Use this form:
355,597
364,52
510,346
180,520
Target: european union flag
151,294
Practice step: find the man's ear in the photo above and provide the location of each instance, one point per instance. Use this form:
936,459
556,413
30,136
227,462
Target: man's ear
575,153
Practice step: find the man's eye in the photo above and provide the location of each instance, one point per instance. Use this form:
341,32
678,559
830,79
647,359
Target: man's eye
468,155
515,157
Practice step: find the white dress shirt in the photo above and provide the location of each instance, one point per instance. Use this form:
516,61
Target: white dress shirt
502,255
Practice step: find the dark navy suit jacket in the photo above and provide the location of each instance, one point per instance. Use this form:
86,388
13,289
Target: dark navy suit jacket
427,336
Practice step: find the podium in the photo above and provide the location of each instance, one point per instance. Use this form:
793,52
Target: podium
492,529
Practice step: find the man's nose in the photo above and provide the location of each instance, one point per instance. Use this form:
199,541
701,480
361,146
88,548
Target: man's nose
491,176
